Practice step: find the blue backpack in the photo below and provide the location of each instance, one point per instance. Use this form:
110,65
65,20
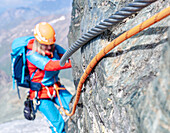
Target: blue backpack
20,72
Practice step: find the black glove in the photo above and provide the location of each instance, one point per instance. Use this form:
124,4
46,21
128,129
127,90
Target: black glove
29,113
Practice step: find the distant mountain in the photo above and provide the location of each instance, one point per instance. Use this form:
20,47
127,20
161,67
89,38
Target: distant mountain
52,6
20,19
13,17
59,22
4,79
19,22
11,108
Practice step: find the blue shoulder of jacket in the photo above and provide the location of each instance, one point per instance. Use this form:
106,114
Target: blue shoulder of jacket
37,59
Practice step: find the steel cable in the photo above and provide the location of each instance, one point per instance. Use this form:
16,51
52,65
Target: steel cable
123,13
135,30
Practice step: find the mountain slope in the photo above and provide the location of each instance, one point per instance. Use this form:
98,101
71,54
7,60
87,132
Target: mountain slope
11,106
26,28
14,17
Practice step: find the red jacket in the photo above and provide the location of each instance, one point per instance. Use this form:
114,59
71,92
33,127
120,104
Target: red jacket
45,70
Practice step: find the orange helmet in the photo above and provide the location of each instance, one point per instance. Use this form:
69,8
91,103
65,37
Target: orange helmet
44,33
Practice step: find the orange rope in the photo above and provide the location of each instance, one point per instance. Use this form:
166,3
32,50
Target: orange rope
57,88
159,16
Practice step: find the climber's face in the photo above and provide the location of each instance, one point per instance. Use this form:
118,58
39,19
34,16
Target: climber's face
47,48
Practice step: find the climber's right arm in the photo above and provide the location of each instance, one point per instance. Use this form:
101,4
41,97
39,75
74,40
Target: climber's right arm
45,63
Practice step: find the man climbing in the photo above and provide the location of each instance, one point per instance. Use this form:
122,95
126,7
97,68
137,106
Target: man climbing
43,61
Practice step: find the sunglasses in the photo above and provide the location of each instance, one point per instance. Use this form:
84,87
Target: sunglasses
47,46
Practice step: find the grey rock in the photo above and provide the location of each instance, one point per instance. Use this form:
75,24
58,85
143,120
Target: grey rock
128,90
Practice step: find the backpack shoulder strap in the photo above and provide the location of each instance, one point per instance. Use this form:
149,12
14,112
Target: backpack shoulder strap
18,48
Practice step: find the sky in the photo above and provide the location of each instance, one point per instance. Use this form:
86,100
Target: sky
8,4
14,3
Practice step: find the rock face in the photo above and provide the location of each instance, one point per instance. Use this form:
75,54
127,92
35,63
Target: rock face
128,90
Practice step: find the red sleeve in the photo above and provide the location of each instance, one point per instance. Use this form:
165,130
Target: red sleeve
30,44
55,65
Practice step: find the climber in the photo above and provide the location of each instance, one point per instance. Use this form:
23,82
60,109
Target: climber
43,61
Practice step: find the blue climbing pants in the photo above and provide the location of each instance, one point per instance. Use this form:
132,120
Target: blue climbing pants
49,110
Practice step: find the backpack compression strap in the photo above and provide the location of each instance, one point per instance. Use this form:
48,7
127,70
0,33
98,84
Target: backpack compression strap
23,68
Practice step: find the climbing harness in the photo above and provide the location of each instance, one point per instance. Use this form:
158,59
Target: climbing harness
154,19
49,94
